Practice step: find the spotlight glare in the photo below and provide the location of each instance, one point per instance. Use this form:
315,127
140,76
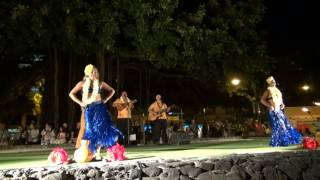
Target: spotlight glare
317,103
304,109
235,81
305,87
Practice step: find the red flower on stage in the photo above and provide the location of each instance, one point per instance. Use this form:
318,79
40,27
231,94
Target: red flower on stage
116,153
310,143
58,156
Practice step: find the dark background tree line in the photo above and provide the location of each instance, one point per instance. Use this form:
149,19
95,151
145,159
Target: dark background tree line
198,45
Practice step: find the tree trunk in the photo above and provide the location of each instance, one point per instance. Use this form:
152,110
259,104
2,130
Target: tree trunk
118,77
101,65
53,109
47,113
148,87
140,87
122,78
109,70
56,99
72,80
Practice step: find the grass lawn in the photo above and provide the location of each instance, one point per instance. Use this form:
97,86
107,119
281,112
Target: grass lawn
210,148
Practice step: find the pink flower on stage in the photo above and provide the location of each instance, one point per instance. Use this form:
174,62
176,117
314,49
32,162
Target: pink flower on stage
116,153
310,143
58,156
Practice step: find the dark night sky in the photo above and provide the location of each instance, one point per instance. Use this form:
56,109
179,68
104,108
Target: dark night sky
293,26
293,37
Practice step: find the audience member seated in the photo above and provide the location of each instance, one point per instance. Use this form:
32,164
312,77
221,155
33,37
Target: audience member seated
66,130
47,134
260,131
21,136
169,130
74,133
4,134
194,128
61,136
33,134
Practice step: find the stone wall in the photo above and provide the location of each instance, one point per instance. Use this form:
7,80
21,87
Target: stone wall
301,165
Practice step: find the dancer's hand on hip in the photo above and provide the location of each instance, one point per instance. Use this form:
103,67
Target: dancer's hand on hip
82,104
271,108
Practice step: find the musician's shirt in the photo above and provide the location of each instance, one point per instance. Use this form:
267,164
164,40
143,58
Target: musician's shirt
124,109
155,107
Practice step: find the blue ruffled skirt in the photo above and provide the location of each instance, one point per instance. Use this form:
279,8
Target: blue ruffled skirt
283,134
99,129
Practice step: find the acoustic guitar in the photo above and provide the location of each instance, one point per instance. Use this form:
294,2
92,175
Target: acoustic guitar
154,115
122,105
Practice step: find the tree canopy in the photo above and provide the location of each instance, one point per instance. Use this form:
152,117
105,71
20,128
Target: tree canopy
207,39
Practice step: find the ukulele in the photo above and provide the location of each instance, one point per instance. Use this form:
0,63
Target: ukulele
153,115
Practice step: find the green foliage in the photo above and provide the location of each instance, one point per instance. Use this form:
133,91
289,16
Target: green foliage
207,39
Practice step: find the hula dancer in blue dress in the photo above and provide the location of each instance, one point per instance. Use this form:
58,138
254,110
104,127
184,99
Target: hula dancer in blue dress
283,134
99,129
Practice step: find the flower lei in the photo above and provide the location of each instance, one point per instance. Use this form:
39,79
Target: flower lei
85,97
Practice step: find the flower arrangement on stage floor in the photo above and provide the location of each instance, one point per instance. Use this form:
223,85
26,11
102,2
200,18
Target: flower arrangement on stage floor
116,153
58,156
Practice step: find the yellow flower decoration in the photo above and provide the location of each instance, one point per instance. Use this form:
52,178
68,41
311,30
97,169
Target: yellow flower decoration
37,98
88,69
